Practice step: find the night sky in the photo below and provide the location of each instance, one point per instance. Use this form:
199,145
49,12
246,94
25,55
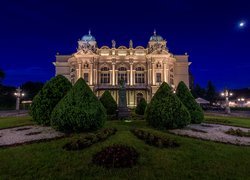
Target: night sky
33,31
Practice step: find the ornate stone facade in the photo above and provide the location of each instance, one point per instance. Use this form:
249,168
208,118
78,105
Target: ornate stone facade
143,69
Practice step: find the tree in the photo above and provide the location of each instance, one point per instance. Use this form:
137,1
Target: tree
165,110
45,101
140,108
31,89
79,110
2,75
188,100
109,103
210,92
198,91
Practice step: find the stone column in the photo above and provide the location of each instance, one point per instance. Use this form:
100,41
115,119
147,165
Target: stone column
153,73
91,74
111,77
113,74
79,70
148,73
165,72
131,74
116,77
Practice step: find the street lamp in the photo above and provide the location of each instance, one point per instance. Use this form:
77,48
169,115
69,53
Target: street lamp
227,94
241,101
18,95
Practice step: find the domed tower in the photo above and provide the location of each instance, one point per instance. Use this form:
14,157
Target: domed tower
156,42
87,42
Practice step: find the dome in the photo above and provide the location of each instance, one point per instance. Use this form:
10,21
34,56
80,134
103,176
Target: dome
88,37
156,37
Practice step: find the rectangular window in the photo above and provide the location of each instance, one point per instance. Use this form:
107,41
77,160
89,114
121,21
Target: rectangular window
105,78
139,78
86,77
158,77
122,76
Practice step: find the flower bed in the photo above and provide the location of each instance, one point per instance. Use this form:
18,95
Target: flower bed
89,140
238,132
116,156
154,140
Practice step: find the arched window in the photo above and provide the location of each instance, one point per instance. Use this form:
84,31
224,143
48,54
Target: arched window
139,96
139,75
122,74
105,75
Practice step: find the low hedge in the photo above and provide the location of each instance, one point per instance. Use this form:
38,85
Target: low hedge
154,140
89,139
116,156
238,132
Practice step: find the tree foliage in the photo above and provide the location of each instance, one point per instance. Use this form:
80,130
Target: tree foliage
198,91
2,75
108,102
141,107
166,110
79,110
31,89
188,100
210,92
48,97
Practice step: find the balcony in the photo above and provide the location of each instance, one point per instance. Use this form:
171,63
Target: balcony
116,87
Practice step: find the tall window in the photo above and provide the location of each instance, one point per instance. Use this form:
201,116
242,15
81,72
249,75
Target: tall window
86,77
105,75
139,96
158,77
139,75
122,74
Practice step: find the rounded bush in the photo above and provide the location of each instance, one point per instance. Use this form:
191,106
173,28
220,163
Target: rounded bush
196,113
47,98
166,111
79,110
116,156
109,103
140,108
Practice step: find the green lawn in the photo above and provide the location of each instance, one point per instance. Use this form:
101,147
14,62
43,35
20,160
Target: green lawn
233,121
194,159
6,122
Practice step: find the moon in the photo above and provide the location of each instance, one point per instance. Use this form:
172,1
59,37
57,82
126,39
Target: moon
242,24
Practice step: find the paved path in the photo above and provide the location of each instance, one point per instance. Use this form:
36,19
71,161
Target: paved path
13,113
213,132
26,134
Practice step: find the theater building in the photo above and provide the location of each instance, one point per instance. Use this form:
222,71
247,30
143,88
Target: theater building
143,69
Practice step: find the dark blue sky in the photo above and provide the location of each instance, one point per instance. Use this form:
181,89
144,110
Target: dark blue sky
32,31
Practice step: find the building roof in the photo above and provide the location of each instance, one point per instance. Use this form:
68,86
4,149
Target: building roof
201,101
88,37
156,37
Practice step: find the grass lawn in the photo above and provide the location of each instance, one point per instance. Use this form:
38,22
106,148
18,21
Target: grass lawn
194,159
6,122
233,121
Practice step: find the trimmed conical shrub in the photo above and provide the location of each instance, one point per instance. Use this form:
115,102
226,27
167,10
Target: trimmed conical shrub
47,98
188,100
79,110
109,103
166,111
140,108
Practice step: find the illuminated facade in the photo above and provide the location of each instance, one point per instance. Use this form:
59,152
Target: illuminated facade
143,69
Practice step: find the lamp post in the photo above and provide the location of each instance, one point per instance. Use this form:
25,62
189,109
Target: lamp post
241,101
18,95
227,94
